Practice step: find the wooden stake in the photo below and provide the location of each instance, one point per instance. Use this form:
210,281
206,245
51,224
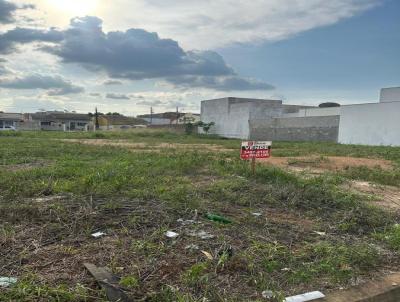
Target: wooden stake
253,165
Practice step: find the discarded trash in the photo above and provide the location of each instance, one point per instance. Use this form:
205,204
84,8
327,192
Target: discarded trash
171,234
109,282
267,294
285,269
7,281
192,247
306,297
320,233
98,234
202,235
256,214
187,222
218,218
208,255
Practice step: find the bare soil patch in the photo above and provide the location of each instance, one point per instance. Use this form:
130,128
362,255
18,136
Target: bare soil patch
148,147
25,166
385,196
321,164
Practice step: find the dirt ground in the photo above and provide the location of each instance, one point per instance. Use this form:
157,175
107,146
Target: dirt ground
318,164
385,196
148,147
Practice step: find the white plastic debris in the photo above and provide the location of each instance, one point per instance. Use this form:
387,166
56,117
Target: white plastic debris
256,214
171,234
187,222
267,294
306,297
7,281
192,247
98,234
202,235
320,233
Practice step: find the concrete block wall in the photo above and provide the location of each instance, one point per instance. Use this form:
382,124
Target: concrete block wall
315,112
324,128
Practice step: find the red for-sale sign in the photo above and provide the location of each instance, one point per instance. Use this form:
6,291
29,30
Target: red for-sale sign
254,149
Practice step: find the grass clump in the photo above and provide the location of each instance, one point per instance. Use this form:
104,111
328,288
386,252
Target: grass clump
129,282
376,175
30,289
391,237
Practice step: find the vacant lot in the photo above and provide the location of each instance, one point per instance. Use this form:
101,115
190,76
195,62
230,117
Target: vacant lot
315,217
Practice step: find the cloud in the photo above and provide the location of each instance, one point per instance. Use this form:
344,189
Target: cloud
95,94
137,54
8,9
55,85
112,82
218,23
117,96
11,38
134,54
230,83
150,103
72,89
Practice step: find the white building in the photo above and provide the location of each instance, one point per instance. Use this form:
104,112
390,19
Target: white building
363,124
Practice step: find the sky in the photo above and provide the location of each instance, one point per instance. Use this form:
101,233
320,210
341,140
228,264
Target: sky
129,55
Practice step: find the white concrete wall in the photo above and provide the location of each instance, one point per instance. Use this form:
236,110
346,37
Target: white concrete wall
231,119
390,95
370,124
314,112
157,121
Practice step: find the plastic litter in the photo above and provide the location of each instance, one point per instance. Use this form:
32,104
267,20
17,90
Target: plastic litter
320,233
171,234
98,234
267,294
187,222
306,297
7,281
192,247
256,214
202,235
218,218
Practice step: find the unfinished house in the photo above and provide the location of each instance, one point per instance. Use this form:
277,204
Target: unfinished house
118,121
8,120
60,121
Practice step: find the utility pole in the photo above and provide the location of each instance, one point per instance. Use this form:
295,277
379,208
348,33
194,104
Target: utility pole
151,115
177,114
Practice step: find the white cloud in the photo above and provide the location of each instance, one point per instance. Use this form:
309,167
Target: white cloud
209,24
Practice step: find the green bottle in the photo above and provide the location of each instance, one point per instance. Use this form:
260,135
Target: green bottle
217,218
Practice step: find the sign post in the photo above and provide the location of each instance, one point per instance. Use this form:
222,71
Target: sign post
253,150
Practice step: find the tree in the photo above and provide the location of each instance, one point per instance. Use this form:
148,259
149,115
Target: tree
205,126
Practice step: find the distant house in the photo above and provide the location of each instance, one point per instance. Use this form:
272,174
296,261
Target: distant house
10,119
187,118
118,121
60,121
165,118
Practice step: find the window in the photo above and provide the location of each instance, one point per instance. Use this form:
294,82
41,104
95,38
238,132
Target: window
45,123
82,124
